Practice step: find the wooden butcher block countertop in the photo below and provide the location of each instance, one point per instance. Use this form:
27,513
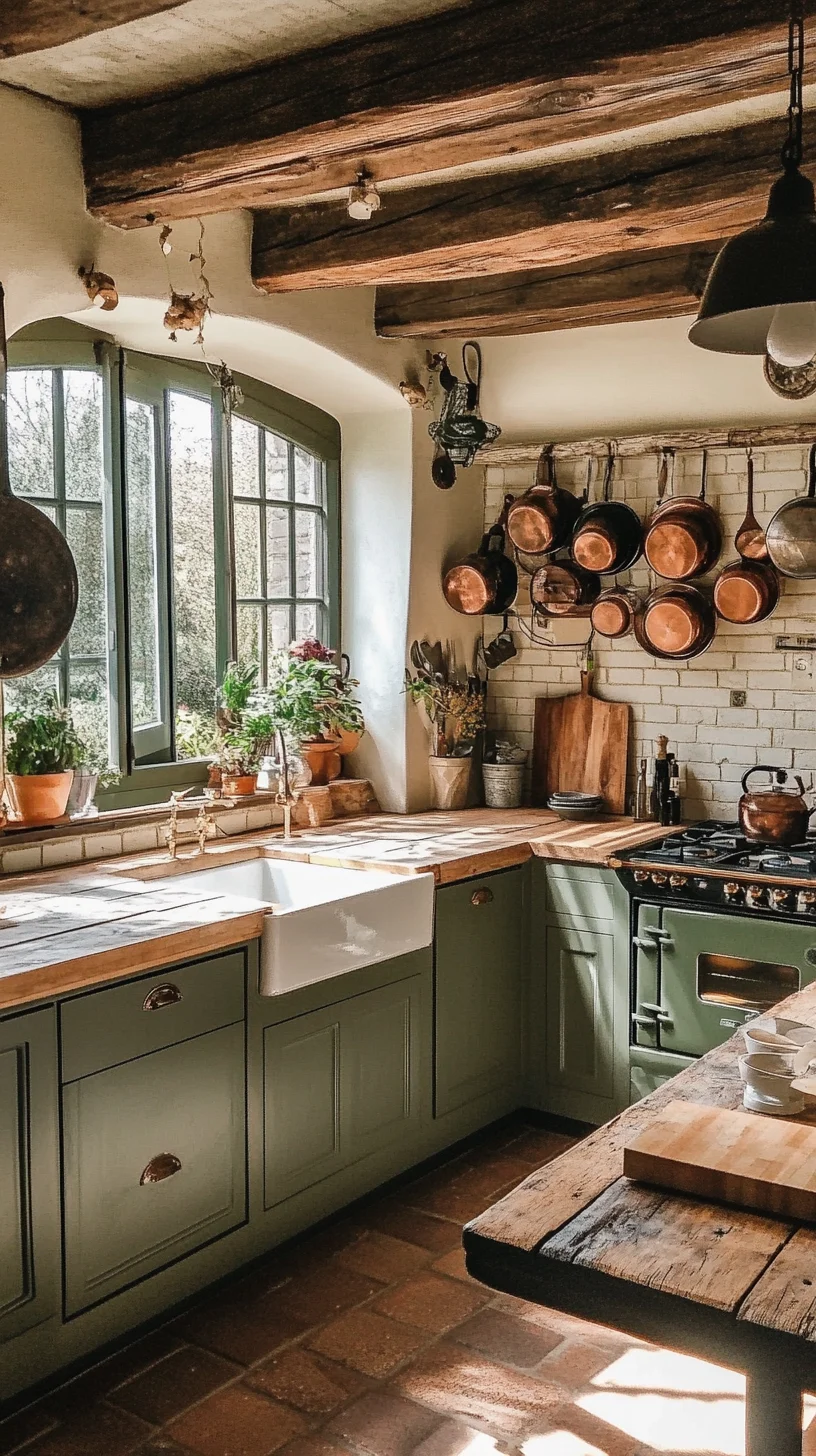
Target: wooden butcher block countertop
63,930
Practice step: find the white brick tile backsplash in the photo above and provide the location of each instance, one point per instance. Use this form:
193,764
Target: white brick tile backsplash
690,702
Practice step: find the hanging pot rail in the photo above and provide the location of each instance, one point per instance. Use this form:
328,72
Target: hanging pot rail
761,437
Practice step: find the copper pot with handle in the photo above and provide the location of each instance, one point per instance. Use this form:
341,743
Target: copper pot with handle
676,623
748,590
562,589
613,614
541,520
683,537
775,815
609,534
486,582
791,535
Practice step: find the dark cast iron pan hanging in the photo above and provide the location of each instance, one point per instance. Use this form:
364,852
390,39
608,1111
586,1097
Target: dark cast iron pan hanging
38,580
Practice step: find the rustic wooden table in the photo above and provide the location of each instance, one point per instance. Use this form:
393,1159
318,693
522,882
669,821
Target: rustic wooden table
726,1285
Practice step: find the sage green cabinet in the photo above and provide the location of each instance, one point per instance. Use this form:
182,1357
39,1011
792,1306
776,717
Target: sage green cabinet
580,1011
480,937
340,1083
29,1171
154,1162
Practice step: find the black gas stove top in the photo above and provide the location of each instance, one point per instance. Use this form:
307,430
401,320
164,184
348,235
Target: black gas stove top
715,863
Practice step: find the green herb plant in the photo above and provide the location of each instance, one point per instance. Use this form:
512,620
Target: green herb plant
43,742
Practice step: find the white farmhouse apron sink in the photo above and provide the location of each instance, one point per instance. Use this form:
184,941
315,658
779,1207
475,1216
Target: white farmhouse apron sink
323,921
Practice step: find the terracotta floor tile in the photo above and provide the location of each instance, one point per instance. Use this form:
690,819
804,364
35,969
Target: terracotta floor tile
313,1446
431,1303
168,1388
540,1147
506,1338
99,1430
237,1422
95,1383
597,1434
487,1175
574,1363
453,1264
457,1383
325,1291
454,1439
368,1342
425,1229
379,1256
242,1332
310,1383
19,1430
384,1425
452,1203
565,1325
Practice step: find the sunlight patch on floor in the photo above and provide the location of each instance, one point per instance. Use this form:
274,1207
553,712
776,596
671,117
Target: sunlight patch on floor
665,1370
673,1423
559,1443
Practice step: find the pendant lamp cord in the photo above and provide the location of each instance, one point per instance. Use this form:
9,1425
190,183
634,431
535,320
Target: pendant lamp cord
792,150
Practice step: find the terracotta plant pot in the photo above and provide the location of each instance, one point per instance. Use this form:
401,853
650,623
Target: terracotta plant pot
450,780
323,759
39,798
347,740
238,786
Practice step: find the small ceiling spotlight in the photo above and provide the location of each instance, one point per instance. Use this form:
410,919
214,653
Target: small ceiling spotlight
363,197
100,289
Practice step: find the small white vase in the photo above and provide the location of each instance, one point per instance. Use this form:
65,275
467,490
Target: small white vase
450,779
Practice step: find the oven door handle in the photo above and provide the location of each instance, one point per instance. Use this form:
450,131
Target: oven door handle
641,943
659,1013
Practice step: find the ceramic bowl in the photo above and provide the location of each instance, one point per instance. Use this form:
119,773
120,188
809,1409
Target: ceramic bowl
768,1078
764,1034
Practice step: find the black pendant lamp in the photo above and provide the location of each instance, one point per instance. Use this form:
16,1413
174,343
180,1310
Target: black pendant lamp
760,297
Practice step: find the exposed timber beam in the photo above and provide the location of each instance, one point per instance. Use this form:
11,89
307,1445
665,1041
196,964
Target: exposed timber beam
619,289
486,80
691,190
37,25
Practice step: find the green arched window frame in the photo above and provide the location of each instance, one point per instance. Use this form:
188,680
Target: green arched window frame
292,497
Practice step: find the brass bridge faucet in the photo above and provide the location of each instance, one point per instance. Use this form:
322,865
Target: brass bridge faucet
286,795
204,825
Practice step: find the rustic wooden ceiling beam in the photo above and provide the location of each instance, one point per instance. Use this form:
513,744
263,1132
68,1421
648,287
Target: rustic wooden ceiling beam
619,289
687,191
491,79
37,25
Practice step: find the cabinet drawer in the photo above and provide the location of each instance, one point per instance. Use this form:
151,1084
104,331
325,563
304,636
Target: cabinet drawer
155,1162
580,892
104,1028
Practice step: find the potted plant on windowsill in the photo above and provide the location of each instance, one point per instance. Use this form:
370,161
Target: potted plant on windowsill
315,706
42,752
242,750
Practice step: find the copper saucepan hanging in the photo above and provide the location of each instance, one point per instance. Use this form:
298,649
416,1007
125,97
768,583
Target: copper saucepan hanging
683,534
613,614
541,520
486,582
562,589
748,590
676,623
608,536
791,535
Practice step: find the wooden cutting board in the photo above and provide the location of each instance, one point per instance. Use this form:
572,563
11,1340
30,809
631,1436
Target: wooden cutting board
741,1158
581,743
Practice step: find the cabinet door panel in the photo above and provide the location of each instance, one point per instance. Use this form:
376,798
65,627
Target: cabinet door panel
29,1196
479,931
380,1067
580,968
301,1103
155,1162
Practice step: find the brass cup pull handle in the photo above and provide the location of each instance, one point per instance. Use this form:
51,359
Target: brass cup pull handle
166,995
482,896
164,1165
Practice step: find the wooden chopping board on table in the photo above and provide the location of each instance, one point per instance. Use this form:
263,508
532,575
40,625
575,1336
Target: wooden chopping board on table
764,1163
581,743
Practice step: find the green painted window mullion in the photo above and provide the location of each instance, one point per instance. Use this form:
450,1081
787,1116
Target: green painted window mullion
113,516
58,447
292,544
262,561
226,624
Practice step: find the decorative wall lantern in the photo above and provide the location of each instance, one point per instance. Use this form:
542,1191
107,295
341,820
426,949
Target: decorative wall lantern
460,432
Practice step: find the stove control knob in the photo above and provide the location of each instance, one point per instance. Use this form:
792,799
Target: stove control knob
641,876
781,899
678,882
755,895
658,877
732,892
806,902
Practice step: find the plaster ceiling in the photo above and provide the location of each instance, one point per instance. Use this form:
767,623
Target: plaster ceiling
195,41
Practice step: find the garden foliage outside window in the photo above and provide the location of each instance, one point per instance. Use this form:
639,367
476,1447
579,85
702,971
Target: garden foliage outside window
198,536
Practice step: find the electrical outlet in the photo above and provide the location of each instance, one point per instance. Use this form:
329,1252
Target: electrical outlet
738,698
802,668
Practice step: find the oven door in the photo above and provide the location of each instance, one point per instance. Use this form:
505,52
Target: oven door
719,971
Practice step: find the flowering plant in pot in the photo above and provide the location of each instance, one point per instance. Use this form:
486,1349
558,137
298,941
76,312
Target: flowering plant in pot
43,750
456,714
242,749
314,704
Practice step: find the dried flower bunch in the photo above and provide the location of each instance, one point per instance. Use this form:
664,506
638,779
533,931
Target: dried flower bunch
455,709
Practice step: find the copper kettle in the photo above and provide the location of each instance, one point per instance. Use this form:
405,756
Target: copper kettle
776,815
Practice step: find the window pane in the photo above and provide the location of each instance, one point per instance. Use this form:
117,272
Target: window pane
24,693
307,544
305,622
86,539
249,633
83,434
277,467
88,700
30,425
193,551
279,628
278,575
307,477
143,564
245,472
247,550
